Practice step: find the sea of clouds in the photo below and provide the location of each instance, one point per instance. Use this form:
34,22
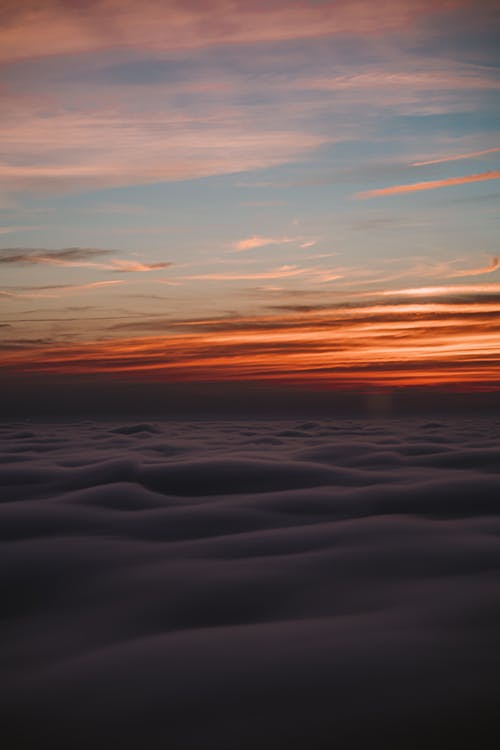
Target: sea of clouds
250,584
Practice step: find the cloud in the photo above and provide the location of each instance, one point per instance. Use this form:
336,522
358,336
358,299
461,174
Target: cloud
302,561
130,266
76,257
433,291
251,243
56,28
112,148
52,291
57,257
455,157
18,228
421,342
316,275
436,78
493,266
282,272
493,174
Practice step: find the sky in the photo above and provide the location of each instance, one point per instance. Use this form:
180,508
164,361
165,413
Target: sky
292,193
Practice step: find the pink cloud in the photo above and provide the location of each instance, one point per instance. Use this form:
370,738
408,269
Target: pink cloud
65,151
32,29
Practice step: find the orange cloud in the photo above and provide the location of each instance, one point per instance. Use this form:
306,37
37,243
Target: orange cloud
316,275
433,291
251,243
131,266
493,266
493,174
283,272
373,346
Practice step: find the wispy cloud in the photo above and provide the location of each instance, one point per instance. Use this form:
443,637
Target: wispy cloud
10,229
254,242
464,77
130,266
493,174
76,257
106,149
441,291
422,343
283,272
493,266
455,157
68,255
310,273
54,28
53,291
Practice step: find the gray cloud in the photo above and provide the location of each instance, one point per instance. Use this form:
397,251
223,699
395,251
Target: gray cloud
78,257
23,255
280,581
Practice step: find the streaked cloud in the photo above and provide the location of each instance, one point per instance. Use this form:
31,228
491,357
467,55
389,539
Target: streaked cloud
11,229
493,266
311,274
54,290
282,272
493,174
53,28
254,242
439,78
130,266
76,257
396,344
61,150
65,256
456,157
435,291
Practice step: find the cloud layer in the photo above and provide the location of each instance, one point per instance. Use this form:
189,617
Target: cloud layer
60,29
279,582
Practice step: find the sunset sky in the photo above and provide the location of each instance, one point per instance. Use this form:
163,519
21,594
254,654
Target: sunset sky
218,190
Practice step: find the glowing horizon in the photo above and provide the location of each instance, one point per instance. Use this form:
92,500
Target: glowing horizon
370,346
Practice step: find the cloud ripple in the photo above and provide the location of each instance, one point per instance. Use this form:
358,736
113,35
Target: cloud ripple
283,583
